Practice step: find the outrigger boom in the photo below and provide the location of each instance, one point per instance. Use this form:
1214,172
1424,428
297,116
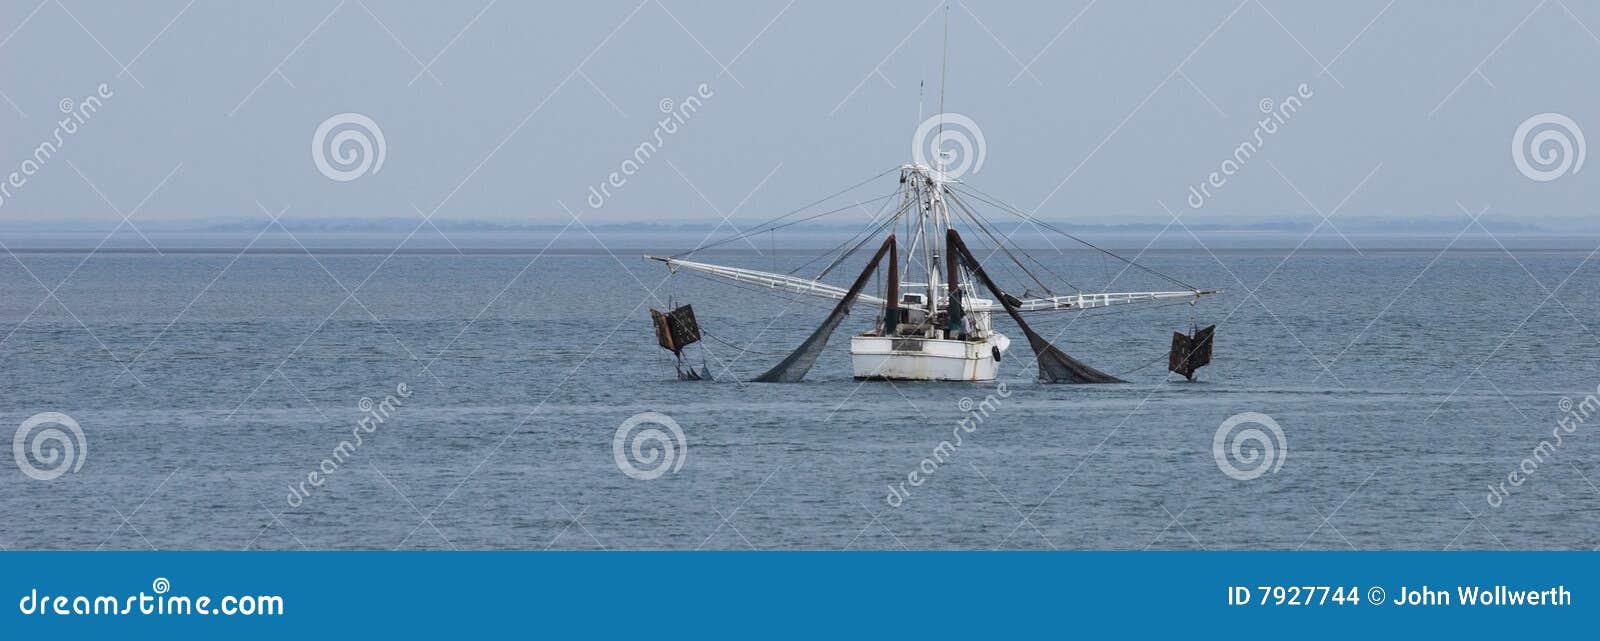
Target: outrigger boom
820,289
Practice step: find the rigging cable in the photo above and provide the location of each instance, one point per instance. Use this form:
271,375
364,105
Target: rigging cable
1157,360
973,211
866,230
1000,245
757,230
1107,311
742,350
796,211
870,235
1017,212
987,242
759,291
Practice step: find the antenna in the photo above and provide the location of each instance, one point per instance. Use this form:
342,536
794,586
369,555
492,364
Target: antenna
944,73
921,84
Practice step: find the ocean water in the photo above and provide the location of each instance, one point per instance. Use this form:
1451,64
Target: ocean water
1406,382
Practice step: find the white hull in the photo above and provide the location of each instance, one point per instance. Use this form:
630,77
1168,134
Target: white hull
926,359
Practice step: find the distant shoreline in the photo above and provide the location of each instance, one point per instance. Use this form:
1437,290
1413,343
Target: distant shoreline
1349,225
630,244
638,253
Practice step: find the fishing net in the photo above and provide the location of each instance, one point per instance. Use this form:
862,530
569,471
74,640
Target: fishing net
793,368
1055,366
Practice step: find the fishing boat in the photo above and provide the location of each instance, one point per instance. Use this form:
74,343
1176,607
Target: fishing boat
939,326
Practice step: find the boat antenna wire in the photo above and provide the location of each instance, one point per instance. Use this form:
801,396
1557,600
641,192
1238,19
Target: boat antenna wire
759,229
1019,213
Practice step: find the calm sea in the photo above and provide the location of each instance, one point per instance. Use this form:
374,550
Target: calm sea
209,386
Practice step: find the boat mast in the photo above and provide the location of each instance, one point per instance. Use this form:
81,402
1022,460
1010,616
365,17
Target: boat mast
931,232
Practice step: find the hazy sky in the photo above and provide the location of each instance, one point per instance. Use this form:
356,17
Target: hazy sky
1121,105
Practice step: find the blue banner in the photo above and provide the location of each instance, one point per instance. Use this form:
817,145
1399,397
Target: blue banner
793,594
